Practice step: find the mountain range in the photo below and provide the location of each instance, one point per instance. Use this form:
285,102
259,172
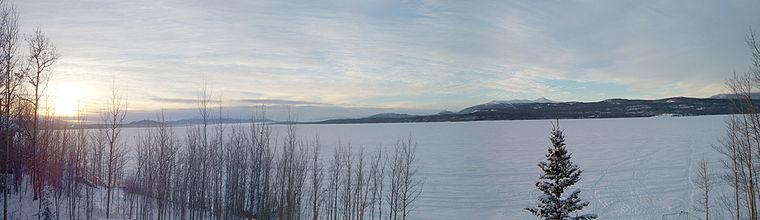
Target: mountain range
184,122
543,108
521,109
504,104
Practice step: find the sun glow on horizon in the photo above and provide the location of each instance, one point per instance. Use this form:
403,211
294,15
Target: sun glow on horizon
66,101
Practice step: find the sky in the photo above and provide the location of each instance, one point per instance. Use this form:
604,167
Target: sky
332,59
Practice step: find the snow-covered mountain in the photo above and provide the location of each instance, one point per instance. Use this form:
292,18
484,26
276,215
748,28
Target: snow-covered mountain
519,101
754,95
504,104
609,108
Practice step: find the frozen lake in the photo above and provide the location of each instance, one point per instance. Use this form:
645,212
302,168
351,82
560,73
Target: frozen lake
634,168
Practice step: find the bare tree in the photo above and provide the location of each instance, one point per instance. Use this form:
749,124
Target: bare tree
9,84
336,168
742,86
730,148
405,186
42,55
48,166
76,166
393,198
704,182
347,182
166,157
316,180
359,194
236,176
204,155
377,172
193,164
259,181
113,119
411,185
291,173
260,167
217,149
96,168
742,142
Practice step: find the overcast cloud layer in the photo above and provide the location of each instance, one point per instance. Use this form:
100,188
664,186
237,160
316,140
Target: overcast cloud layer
412,56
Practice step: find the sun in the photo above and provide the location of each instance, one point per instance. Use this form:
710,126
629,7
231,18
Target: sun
66,101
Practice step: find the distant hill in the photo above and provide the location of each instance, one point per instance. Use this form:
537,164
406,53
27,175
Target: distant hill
754,95
143,123
183,122
195,121
391,115
504,104
446,112
610,108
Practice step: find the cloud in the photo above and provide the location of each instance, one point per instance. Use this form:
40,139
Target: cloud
275,112
248,101
182,101
419,55
277,102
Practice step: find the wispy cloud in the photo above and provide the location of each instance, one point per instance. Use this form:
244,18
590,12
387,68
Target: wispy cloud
183,101
277,102
416,54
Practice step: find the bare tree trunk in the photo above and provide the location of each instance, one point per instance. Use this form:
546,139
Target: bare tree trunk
704,182
743,140
205,162
358,189
336,169
729,148
377,174
347,199
113,118
217,149
405,186
8,39
316,180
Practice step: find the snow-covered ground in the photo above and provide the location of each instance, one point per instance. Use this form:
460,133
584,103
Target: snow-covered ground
23,206
636,168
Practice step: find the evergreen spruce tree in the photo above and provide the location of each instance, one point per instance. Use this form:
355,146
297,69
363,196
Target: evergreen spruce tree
559,174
